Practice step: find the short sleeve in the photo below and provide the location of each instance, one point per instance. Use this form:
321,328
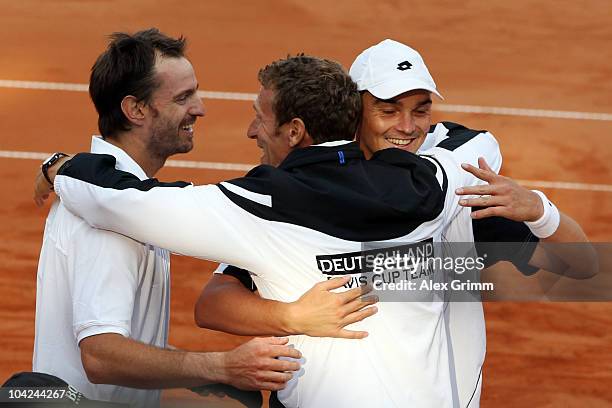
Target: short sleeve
105,269
490,234
242,275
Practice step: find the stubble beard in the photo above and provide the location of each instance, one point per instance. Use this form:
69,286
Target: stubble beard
166,141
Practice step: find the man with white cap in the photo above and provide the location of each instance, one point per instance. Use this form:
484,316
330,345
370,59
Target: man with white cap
396,87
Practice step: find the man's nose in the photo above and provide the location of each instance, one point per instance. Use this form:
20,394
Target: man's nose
198,108
406,123
252,130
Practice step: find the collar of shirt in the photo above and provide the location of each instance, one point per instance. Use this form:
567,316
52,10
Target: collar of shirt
338,151
124,161
334,143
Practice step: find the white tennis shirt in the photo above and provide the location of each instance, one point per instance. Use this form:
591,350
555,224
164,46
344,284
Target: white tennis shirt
92,282
465,323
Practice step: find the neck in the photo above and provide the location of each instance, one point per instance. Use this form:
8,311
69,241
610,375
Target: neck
366,151
139,152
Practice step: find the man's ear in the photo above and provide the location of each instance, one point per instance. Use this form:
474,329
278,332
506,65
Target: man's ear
297,132
133,110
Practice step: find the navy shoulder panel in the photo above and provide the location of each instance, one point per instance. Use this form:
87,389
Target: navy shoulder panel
99,170
359,200
458,135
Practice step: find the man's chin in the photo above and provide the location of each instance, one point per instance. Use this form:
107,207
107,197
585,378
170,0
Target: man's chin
411,147
185,147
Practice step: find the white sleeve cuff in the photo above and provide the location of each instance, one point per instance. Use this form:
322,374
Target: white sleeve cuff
96,328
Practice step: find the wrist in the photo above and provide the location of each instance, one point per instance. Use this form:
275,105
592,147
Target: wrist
547,224
50,166
290,319
538,211
209,367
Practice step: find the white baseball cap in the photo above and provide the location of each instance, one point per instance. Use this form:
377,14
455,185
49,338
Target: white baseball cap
391,68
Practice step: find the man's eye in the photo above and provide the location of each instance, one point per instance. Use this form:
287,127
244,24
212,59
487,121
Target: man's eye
182,99
388,111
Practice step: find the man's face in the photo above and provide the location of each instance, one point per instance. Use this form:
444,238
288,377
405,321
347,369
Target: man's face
401,122
175,107
271,138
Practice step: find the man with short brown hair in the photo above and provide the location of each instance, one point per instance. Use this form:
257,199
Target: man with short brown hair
102,306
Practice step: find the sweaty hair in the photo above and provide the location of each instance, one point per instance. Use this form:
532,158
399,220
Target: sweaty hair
127,67
317,91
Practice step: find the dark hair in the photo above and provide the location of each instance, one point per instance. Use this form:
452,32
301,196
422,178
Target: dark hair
316,90
127,67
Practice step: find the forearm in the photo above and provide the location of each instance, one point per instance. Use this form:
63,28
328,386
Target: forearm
568,231
114,359
563,249
567,252
226,305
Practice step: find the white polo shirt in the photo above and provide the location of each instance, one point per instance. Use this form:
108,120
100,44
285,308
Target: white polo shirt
91,282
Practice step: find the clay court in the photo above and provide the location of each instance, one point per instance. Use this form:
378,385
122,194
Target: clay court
535,74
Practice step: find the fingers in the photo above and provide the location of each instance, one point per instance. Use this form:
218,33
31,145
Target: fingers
282,365
268,380
351,334
488,212
276,347
355,293
42,189
485,201
359,304
40,199
284,351
365,289
272,340
482,163
486,175
359,315
483,189
274,376
333,283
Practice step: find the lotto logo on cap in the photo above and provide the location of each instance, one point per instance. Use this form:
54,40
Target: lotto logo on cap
391,68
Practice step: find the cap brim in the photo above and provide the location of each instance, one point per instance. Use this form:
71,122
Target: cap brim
390,89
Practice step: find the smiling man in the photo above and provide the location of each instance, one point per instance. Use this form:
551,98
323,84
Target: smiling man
102,302
396,89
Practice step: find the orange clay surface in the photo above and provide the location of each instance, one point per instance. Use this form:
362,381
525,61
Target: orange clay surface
523,54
